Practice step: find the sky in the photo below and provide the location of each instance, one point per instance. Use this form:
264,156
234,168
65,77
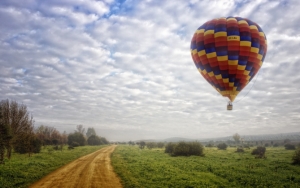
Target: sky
124,67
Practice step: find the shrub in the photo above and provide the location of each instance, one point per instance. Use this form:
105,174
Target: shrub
276,145
259,152
151,145
160,144
185,149
76,137
296,157
222,146
290,147
74,144
209,145
240,150
169,148
94,140
266,144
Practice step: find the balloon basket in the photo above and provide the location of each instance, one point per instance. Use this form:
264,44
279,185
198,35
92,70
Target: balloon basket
229,106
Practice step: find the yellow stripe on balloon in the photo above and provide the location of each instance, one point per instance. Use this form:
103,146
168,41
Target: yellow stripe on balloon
233,62
255,50
211,55
226,80
231,84
228,19
221,34
209,32
218,77
259,56
222,58
200,31
241,67
233,38
201,53
246,72
211,74
203,71
243,22
194,51
253,27
245,43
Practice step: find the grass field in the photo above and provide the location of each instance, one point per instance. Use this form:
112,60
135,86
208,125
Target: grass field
219,168
21,170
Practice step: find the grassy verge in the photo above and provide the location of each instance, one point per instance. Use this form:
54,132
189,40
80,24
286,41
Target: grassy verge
21,170
219,168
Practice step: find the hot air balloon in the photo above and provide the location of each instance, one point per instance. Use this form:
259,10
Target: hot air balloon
228,52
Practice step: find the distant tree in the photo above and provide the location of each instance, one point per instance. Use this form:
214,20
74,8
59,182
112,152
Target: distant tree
160,144
287,141
240,150
290,147
142,144
222,146
17,118
259,152
296,157
131,143
80,129
76,137
105,141
266,144
91,131
236,137
94,140
151,145
276,145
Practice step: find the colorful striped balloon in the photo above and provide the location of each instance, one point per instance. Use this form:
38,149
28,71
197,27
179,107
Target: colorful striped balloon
228,52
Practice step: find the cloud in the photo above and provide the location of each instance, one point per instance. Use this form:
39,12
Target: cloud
124,67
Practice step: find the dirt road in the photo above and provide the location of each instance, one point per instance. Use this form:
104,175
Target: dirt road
93,170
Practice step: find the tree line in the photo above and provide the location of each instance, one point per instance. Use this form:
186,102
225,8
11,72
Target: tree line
18,134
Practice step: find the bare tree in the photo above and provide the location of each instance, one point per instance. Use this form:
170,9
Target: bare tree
17,118
80,129
236,137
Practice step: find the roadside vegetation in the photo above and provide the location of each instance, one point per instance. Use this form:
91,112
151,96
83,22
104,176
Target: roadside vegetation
252,167
21,170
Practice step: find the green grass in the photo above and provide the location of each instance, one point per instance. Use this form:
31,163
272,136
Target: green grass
219,168
21,170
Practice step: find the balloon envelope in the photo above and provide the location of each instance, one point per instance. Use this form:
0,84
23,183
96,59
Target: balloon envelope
228,52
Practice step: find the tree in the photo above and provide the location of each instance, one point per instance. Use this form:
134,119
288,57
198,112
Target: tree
5,136
151,145
259,152
236,137
160,144
142,144
80,129
290,147
17,118
296,157
91,131
185,149
94,140
76,137
222,146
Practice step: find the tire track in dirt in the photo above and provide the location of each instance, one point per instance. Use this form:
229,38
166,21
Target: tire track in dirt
93,170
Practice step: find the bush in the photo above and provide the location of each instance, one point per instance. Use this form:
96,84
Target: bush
33,145
296,157
259,152
94,140
169,148
240,150
76,137
210,145
185,149
74,144
290,147
160,144
151,145
222,146
276,145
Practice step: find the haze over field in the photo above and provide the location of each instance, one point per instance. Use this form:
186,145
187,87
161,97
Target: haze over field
124,67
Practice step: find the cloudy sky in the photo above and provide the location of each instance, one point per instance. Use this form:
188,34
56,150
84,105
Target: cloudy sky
124,67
